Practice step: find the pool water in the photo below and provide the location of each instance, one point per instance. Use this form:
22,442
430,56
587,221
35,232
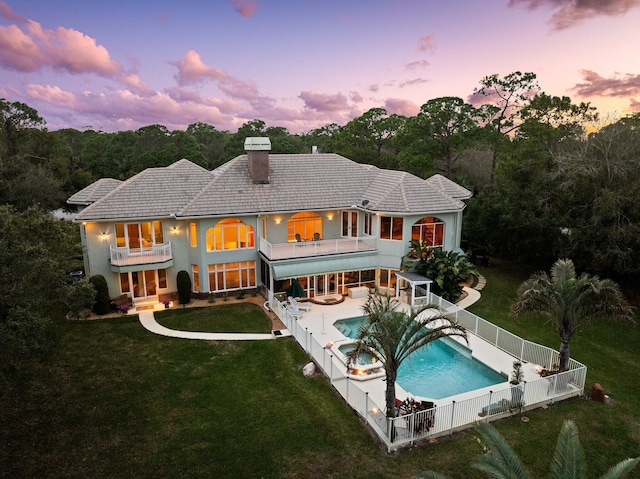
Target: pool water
362,359
445,368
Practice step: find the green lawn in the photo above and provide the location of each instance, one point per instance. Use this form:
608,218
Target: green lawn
117,401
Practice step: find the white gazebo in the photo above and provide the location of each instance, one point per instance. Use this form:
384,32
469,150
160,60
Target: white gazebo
413,288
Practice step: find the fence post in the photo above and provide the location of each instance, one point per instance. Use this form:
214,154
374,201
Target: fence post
310,344
347,398
306,340
555,382
489,406
453,409
522,350
366,406
331,369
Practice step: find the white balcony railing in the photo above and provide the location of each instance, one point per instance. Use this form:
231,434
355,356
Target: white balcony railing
125,256
305,249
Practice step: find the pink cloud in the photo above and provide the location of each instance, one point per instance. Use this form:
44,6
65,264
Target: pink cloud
415,81
356,97
374,87
634,105
400,106
6,12
191,69
417,64
572,12
427,43
324,102
617,86
62,49
245,8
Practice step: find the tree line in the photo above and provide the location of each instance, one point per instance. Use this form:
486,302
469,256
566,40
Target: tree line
550,178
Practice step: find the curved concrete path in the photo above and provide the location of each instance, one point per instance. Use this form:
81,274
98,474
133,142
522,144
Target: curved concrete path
149,322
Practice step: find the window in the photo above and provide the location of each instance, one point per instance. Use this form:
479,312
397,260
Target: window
193,234
124,283
162,278
350,223
387,278
429,230
368,224
390,228
196,277
305,224
139,235
230,234
227,276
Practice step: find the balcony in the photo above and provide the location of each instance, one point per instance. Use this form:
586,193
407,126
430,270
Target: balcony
306,249
124,256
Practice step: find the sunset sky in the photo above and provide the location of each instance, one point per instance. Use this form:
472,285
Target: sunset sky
302,64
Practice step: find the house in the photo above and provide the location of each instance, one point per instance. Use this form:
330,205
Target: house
261,220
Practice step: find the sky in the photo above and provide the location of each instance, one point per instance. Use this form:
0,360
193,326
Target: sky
303,64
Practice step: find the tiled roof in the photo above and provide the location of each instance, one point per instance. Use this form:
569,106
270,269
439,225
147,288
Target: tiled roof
316,182
152,193
450,188
296,183
94,191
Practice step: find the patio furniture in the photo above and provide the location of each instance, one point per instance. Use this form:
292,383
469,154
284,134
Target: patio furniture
297,305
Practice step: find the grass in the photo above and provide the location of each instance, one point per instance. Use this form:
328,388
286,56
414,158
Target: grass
117,401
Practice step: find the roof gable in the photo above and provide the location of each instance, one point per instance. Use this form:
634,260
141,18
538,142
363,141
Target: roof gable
152,193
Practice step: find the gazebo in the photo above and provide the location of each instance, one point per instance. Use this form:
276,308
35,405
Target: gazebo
413,288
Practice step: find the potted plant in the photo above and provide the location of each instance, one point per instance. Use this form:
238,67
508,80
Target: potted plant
517,391
166,303
124,308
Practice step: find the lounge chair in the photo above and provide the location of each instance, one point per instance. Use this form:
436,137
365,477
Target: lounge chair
316,236
296,306
298,238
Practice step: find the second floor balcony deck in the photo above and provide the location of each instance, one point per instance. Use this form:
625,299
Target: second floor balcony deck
302,249
124,256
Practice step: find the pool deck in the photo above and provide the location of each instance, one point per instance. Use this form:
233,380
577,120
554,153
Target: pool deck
319,322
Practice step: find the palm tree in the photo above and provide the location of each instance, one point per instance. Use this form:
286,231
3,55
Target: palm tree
568,462
570,301
392,335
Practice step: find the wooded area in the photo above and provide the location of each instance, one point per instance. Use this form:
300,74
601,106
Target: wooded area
550,178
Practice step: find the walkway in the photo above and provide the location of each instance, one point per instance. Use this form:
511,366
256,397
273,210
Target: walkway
149,322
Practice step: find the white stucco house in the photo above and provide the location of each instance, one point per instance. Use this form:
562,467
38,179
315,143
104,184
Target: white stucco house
260,220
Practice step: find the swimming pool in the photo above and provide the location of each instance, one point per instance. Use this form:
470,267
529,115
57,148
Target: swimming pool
445,368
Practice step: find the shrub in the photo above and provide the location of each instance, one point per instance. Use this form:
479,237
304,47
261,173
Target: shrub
102,304
184,287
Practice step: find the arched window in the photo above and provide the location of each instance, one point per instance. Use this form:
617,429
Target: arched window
428,229
230,234
304,226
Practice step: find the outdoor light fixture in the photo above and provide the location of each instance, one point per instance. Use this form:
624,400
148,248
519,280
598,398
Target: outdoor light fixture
277,220
330,216
174,230
103,235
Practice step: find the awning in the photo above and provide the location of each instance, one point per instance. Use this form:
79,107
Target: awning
334,265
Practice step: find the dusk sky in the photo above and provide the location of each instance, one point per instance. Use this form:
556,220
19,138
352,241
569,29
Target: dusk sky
302,64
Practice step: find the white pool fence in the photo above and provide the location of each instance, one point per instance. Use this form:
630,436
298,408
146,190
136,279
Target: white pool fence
504,401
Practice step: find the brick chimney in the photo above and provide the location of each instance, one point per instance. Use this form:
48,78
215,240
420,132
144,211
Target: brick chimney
257,149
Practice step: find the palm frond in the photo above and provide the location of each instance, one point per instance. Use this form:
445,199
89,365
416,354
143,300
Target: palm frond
568,459
501,462
622,469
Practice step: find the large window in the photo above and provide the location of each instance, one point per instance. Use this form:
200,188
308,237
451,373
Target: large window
230,234
390,228
139,235
229,276
304,226
350,223
429,230
388,278
142,284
